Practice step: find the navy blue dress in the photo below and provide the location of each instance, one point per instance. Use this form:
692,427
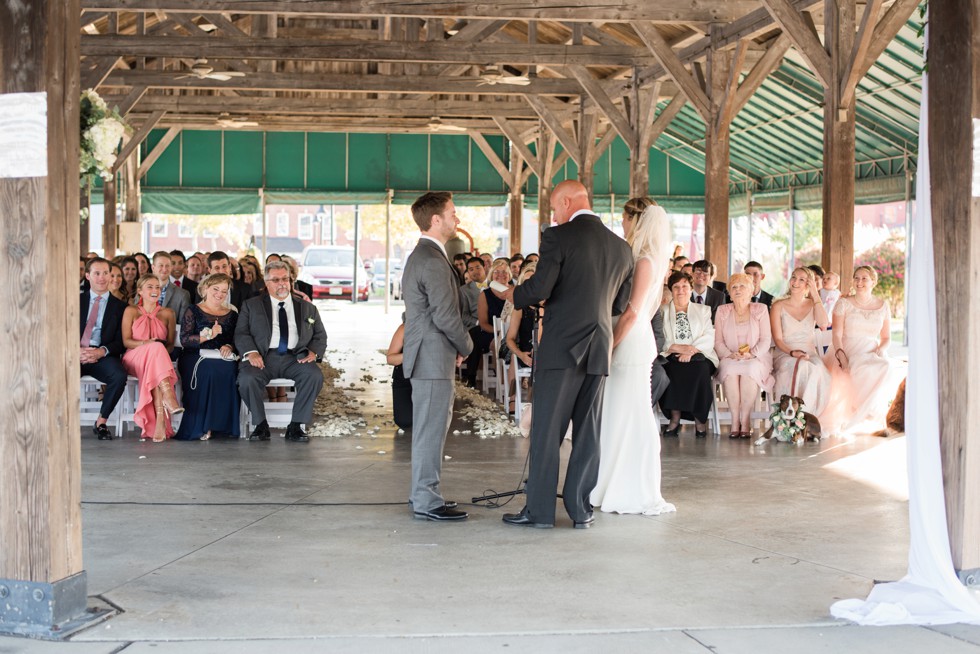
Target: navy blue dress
211,399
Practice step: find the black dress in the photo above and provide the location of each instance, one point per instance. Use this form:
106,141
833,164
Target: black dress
211,399
690,390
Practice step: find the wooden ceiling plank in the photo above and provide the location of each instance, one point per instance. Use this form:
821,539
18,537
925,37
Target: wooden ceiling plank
804,38
566,138
510,131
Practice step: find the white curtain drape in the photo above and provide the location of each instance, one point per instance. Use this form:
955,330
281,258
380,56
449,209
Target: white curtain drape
930,593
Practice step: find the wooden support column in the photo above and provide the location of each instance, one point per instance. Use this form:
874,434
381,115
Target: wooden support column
546,154
516,202
42,581
954,95
717,163
109,218
588,125
838,145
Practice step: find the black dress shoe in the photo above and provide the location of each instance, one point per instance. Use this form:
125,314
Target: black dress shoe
585,524
672,432
296,434
441,514
450,504
701,434
521,520
260,433
102,431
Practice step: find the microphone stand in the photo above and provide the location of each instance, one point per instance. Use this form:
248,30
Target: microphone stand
520,490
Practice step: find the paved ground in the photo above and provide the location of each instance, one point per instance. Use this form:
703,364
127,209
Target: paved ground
256,547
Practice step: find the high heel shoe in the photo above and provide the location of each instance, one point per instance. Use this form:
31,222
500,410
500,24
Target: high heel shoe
169,399
160,434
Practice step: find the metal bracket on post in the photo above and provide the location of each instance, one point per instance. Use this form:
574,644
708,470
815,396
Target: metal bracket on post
49,611
970,578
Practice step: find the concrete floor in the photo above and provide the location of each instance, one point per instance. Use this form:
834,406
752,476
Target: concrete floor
232,546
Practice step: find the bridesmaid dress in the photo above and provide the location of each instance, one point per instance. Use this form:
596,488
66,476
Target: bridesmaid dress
150,363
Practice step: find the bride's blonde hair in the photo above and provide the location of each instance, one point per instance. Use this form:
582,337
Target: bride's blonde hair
651,231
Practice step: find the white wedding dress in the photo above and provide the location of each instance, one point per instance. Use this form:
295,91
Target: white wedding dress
629,437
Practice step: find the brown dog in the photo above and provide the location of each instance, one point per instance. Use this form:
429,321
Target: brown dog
785,415
895,420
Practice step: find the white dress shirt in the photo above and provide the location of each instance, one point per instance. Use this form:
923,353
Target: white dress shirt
290,320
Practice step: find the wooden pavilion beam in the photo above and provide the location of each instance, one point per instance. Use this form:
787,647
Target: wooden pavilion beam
551,120
589,11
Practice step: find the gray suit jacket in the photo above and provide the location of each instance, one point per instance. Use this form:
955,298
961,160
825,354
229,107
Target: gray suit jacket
177,300
469,297
434,331
254,329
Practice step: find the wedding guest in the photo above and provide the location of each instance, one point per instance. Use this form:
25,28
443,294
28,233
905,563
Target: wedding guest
520,331
116,282
679,263
754,270
529,259
490,304
207,364
179,266
469,297
272,256
195,268
142,264
459,263
130,270
702,273
300,288
793,320
171,296
487,260
219,263
101,341
658,376
82,261
401,388
251,275
830,293
516,261
867,377
148,333
689,346
742,339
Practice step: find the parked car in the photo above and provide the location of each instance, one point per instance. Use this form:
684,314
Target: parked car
394,277
332,272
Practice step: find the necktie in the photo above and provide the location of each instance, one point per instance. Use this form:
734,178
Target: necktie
755,298
93,315
177,283
163,295
699,300
283,330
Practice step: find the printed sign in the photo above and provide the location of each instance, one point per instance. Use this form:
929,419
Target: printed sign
23,135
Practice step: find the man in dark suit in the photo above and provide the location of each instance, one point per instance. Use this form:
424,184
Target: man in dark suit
279,336
218,262
701,292
754,270
101,340
585,275
179,278
435,343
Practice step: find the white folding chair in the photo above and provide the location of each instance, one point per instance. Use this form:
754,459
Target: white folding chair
501,365
90,405
519,375
489,373
277,414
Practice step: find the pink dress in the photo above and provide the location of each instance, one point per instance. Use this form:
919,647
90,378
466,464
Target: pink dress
756,333
150,364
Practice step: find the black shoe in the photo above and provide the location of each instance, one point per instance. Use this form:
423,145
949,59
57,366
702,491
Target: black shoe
260,433
448,504
102,431
701,434
296,434
521,520
672,432
441,514
585,524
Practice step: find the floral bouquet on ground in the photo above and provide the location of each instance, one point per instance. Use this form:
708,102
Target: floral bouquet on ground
785,428
102,130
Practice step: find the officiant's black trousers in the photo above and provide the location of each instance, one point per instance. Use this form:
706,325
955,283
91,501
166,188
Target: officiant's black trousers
560,396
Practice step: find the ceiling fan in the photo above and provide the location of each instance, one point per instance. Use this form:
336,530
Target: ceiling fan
492,75
229,122
201,70
436,125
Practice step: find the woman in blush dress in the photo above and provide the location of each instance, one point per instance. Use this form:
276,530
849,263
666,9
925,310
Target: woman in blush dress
742,340
865,377
210,383
629,461
148,334
794,320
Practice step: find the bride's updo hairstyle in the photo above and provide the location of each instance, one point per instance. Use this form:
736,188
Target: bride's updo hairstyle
651,229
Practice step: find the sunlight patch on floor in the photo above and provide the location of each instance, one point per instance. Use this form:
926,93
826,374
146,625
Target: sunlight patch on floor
883,467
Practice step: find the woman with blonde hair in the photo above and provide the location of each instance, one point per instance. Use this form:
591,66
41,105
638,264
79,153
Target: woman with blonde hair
742,338
798,368
629,463
490,304
148,334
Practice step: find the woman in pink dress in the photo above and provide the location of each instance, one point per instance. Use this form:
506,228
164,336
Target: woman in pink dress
742,340
148,335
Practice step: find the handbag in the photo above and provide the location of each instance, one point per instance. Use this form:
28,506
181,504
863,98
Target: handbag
209,354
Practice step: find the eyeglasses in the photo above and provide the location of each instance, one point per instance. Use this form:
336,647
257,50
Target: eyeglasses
277,280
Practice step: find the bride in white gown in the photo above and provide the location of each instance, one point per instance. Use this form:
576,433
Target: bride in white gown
629,461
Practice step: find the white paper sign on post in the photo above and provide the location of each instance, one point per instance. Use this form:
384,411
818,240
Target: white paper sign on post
23,135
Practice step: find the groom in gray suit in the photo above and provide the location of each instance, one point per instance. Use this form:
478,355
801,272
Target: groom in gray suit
435,344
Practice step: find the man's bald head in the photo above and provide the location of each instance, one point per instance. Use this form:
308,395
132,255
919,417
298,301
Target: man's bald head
568,197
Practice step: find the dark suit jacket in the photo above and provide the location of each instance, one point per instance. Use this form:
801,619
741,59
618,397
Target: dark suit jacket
190,286
764,298
254,329
713,299
240,292
585,273
111,322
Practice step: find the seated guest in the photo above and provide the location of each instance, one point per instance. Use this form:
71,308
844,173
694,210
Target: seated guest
754,270
171,296
490,304
279,336
824,338
679,262
516,261
520,331
130,272
702,272
865,376
101,340
149,331
742,340
459,263
689,346
207,365
487,260
830,292
658,376
401,388
794,320
82,261
142,264
116,282
219,263
272,256
469,302
195,268
177,276
529,259
252,275
303,290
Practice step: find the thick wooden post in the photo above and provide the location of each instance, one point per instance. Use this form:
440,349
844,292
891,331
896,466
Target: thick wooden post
546,158
717,164
954,95
110,217
516,203
42,583
838,145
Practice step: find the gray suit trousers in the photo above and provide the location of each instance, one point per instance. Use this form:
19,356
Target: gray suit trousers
658,383
308,378
560,396
432,411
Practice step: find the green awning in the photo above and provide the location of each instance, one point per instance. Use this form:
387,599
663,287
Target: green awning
200,202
